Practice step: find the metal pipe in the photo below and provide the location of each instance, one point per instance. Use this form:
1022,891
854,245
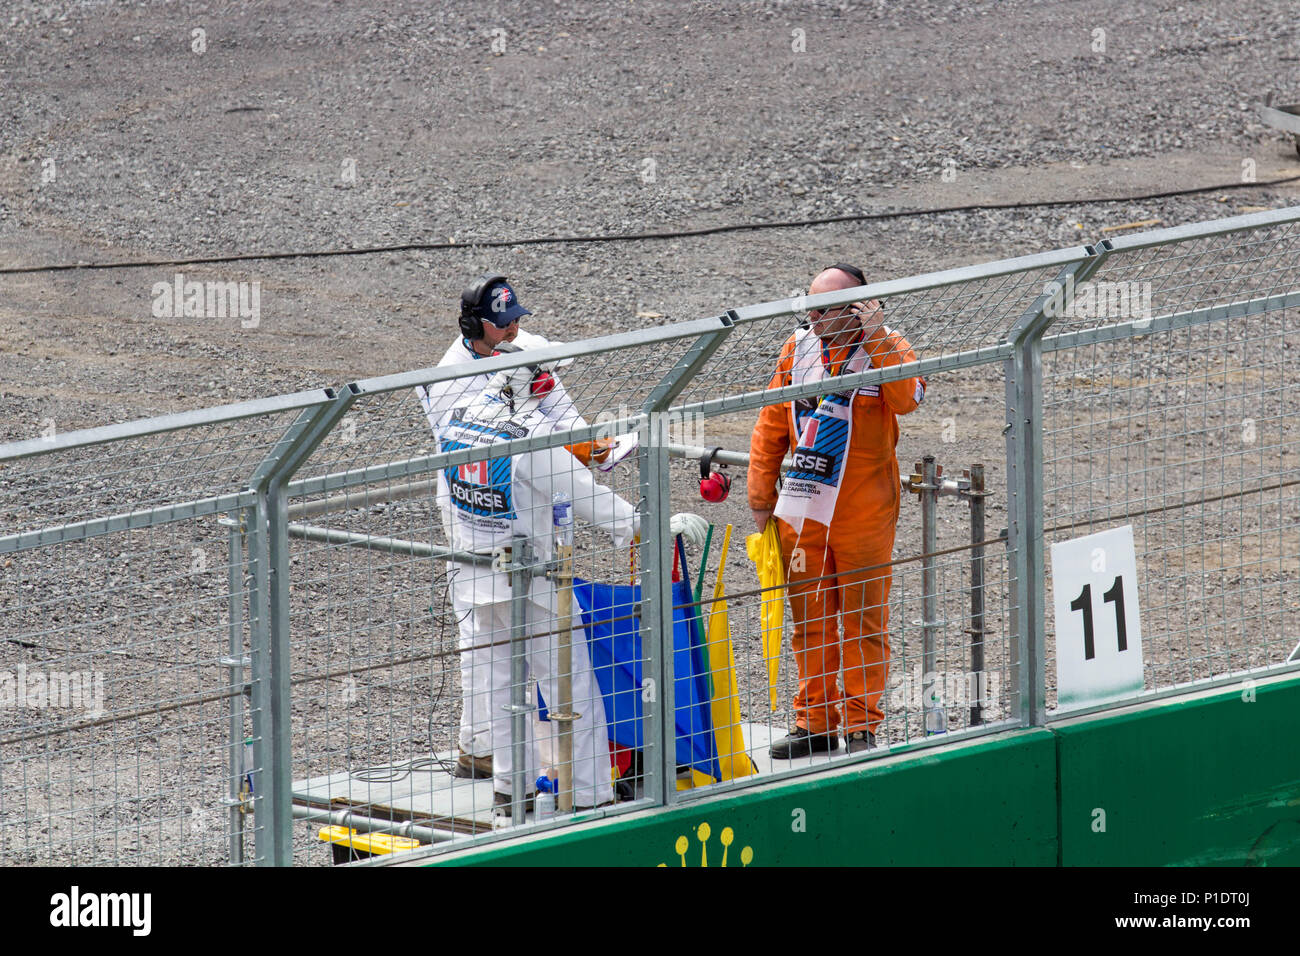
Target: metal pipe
936,721
562,516
362,498
235,679
977,590
722,457
364,824
176,421
522,558
398,546
260,704
741,459
599,348
911,284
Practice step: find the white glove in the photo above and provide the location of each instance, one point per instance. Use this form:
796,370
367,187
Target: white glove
694,528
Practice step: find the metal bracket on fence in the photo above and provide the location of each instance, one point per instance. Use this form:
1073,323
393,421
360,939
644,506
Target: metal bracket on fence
236,664
928,488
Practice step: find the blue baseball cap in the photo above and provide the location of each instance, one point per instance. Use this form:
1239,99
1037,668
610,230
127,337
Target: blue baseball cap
500,305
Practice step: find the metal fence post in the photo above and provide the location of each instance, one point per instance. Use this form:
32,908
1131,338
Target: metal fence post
657,640
656,620
521,576
934,715
1024,433
259,646
273,741
976,631
236,661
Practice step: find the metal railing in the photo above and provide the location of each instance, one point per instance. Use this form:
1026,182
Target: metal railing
221,621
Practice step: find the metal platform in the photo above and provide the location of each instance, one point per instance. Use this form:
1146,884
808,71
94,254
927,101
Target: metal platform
422,792
1284,118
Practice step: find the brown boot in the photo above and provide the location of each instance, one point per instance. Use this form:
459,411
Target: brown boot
472,768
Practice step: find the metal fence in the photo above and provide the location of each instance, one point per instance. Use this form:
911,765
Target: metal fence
222,622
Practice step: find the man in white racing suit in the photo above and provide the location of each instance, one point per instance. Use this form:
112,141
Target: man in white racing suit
488,325
488,503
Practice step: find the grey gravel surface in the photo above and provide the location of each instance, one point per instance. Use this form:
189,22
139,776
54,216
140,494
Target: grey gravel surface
330,126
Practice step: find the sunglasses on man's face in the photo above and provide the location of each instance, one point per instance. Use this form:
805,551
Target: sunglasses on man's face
835,310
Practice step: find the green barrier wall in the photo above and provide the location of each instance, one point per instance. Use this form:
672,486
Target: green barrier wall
1192,781
906,811
1207,779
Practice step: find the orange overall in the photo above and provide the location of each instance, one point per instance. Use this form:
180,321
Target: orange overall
859,539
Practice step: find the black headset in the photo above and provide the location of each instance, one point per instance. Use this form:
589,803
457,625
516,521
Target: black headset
471,326
850,270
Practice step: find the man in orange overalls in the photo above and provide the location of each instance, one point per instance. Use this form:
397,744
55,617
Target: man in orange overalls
836,512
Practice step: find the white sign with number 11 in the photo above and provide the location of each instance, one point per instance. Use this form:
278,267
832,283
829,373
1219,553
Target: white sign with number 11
1098,628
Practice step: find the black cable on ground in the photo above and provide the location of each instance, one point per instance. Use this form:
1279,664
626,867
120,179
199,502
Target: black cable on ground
632,236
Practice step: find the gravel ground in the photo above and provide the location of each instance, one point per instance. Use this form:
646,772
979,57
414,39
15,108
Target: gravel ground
290,126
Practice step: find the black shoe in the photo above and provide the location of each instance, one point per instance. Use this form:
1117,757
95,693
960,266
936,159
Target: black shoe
860,740
800,743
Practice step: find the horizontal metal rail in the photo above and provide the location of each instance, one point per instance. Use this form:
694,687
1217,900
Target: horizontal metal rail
839,383
599,346
367,824
396,546
352,500
129,521
1175,320
1204,230
921,283
165,423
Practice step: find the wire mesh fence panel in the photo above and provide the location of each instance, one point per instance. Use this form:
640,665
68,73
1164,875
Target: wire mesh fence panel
865,682
403,607
829,652
105,475
1187,275
1191,436
373,645
116,734
126,639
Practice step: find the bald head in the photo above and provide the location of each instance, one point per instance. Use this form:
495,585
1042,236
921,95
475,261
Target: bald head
832,280
841,323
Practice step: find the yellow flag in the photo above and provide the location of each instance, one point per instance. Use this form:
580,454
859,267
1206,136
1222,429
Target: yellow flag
765,551
733,760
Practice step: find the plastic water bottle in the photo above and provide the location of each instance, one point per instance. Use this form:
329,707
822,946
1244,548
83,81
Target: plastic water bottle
544,809
562,518
936,717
